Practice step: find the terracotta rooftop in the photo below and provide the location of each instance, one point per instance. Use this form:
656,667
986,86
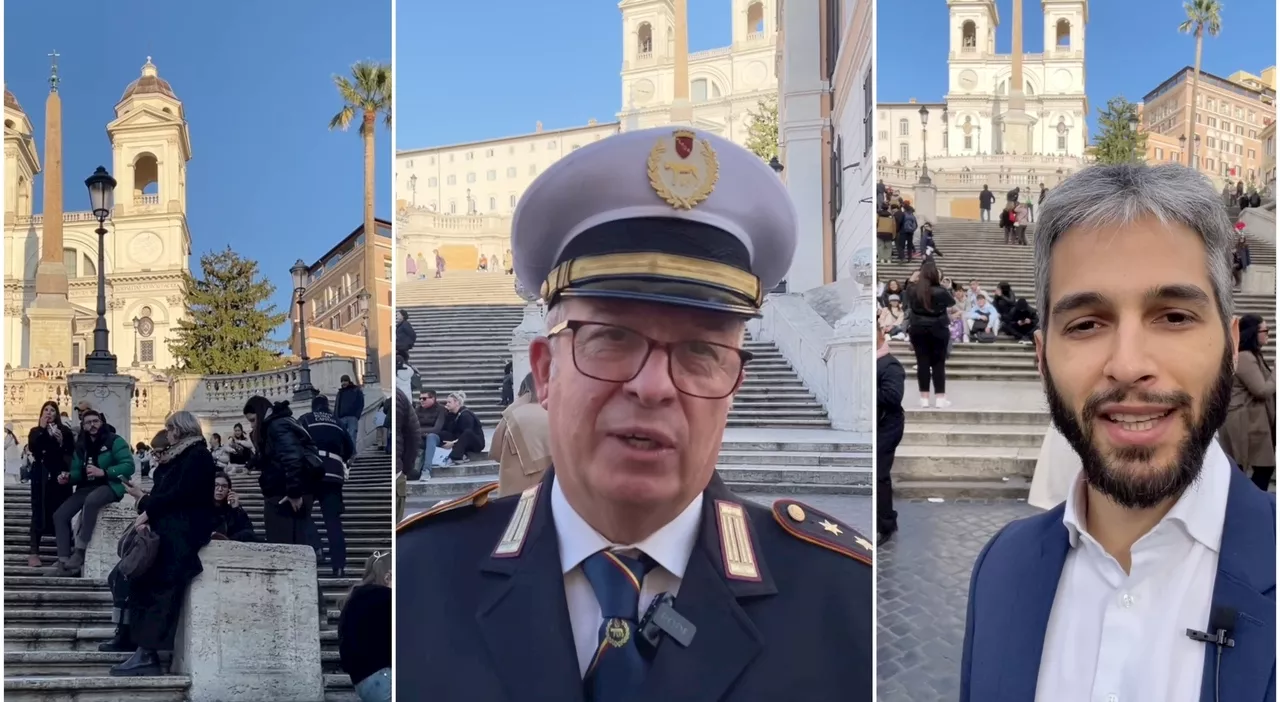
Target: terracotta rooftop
149,82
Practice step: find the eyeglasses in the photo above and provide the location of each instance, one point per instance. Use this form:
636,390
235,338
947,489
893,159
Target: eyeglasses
617,354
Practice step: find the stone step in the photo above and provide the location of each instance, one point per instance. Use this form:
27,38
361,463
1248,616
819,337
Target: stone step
88,617
101,599
916,417
928,434
964,462
1013,488
98,663
65,639
160,688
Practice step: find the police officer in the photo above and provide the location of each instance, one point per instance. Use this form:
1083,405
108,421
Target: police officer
336,448
631,571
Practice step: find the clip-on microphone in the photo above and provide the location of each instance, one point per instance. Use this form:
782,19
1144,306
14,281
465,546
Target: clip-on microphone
1222,620
662,619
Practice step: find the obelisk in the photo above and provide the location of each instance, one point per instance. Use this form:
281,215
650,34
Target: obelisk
681,109
50,314
1017,123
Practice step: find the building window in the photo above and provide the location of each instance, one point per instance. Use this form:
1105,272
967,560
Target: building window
1253,154
533,147
1213,122
147,351
471,155
551,145
493,204
533,169
71,259
431,182
513,201
511,172
904,152
386,269
574,148
1159,154
453,207
511,149
452,180
698,91
904,128
833,38
837,179
76,360
488,153
471,177
968,142
1212,143
450,158
491,175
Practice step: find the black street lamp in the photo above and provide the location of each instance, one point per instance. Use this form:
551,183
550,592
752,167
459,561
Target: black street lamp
776,165
1182,146
1133,129
370,355
102,188
305,390
924,145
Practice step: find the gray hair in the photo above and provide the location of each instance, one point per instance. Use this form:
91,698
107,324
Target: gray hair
1111,196
184,424
460,397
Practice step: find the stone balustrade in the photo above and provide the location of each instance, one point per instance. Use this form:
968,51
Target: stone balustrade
67,217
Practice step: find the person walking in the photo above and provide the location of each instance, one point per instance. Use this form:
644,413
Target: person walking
929,329
985,200
349,406
291,471
52,445
891,380
336,450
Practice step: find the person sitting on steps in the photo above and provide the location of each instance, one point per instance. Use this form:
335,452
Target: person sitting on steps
101,462
468,435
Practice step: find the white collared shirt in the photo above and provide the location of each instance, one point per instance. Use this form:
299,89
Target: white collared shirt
1117,637
669,547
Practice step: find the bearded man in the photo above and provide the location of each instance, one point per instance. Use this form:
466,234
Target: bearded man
1155,580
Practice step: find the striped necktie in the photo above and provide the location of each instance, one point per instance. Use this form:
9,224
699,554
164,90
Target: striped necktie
617,668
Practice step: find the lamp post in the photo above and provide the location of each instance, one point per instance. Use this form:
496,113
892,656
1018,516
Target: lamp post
370,356
924,145
776,165
1133,131
413,189
102,188
1195,152
1182,146
305,390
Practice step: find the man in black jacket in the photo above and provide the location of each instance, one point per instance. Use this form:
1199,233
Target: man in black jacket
290,467
335,448
406,337
431,417
985,199
891,379
349,406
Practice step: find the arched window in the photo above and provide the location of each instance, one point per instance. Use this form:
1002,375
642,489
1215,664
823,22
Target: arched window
70,259
644,40
969,35
493,204
1063,32
755,19
698,90
146,176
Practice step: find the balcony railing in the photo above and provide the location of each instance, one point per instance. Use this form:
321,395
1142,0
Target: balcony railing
67,217
147,200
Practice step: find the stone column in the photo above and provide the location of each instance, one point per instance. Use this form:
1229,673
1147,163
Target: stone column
850,365
112,395
250,627
529,329
926,203
113,521
1017,123
681,110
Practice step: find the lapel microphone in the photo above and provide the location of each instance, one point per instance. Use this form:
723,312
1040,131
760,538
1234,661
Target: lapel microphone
662,620
1222,620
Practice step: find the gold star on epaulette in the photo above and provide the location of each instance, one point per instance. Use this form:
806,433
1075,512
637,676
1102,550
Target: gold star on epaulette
810,525
475,500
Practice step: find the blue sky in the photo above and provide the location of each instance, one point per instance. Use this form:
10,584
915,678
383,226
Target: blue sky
471,71
266,177
1122,57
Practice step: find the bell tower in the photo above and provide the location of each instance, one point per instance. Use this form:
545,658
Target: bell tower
21,163
973,28
754,19
150,147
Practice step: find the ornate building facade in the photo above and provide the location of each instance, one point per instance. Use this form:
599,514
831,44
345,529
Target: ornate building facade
459,199
147,246
1007,120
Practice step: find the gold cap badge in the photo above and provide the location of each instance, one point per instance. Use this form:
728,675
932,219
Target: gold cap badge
683,169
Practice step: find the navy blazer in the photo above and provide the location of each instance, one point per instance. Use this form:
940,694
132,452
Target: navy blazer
1016,577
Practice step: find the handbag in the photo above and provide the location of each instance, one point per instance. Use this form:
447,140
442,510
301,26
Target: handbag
137,551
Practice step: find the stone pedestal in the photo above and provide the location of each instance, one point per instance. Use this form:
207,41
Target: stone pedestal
1016,138
250,628
113,521
529,329
850,362
51,331
110,394
926,204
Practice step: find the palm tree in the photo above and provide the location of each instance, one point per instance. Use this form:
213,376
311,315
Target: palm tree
1202,16
367,93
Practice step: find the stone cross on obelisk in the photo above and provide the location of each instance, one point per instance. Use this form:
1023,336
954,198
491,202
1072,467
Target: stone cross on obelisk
50,316
1017,122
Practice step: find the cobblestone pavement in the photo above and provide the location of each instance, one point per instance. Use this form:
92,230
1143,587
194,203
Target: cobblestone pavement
923,587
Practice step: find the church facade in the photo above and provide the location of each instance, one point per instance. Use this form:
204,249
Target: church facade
459,199
147,246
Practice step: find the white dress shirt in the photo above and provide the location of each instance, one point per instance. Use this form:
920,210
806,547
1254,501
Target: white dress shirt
1117,637
669,547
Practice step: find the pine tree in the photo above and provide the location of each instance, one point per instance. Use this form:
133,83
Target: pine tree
762,131
1117,142
227,326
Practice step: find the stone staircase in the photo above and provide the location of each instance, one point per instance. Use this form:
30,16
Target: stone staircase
464,340
976,251
748,465
459,288
52,626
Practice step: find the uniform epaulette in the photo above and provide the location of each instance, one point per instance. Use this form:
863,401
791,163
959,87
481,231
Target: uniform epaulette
475,500
821,529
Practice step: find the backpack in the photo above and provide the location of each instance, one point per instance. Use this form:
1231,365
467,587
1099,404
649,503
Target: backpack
909,223
1004,218
310,454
